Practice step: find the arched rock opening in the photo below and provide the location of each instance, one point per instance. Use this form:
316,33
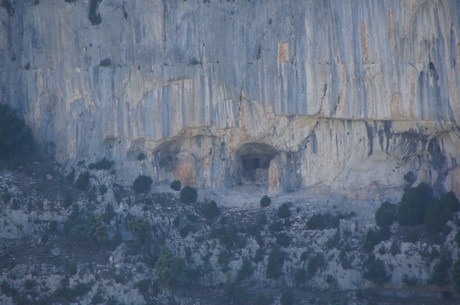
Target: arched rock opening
252,163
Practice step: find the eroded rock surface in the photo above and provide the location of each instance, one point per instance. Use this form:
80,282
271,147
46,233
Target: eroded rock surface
350,94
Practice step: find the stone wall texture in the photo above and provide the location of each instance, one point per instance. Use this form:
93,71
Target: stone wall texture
350,94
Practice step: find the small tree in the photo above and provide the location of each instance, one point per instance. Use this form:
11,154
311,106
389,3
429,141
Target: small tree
413,204
210,210
456,275
275,264
169,269
287,297
188,194
265,201
386,214
175,185
283,211
142,184
375,271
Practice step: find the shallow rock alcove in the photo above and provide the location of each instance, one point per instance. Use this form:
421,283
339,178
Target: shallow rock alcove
252,163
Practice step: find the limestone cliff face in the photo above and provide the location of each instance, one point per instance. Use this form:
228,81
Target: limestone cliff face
347,94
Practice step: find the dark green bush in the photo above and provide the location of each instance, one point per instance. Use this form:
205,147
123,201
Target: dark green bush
263,299
410,177
375,237
413,204
142,184
283,211
386,214
82,182
283,240
315,264
246,270
170,269
15,137
300,275
440,275
140,229
275,264
456,275
451,201
287,297
175,185
374,271
210,210
103,164
436,216
321,222
189,194
265,201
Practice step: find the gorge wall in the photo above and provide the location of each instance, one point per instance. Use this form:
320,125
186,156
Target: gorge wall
289,94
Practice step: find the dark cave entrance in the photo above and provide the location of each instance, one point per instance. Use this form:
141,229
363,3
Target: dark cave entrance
253,162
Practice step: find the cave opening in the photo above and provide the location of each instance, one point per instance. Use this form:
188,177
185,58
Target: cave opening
253,162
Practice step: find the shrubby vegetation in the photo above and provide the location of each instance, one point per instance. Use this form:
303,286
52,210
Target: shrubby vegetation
374,270
322,222
175,185
210,210
170,269
142,184
386,215
103,164
265,201
413,204
275,263
188,194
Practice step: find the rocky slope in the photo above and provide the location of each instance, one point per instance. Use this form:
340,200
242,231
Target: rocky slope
347,94
105,245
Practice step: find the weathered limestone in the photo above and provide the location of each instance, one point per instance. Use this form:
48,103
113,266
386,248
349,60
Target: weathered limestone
351,94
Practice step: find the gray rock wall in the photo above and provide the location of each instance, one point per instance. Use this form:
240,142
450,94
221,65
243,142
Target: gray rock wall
323,82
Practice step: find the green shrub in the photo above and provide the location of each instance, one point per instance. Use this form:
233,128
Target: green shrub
189,194
436,216
457,239
170,269
316,263
82,182
263,299
374,238
275,264
449,199
283,240
321,222
210,210
283,211
142,184
374,271
300,275
15,137
287,297
103,164
140,228
410,177
456,275
413,204
440,275
276,226
265,201
386,214
175,185
246,270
